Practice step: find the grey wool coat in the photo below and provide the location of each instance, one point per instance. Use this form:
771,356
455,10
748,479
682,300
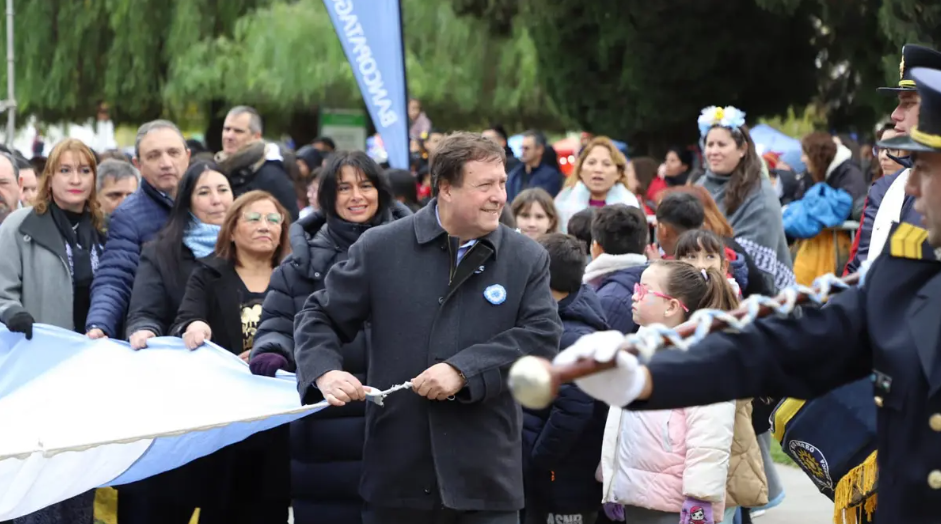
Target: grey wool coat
465,453
34,269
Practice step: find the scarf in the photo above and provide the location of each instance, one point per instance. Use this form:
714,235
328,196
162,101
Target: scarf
346,233
82,243
605,264
201,237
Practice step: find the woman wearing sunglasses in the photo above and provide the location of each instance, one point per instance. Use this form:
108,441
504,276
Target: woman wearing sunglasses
222,303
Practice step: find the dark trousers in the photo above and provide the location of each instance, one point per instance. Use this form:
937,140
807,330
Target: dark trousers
374,515
134,508
148,510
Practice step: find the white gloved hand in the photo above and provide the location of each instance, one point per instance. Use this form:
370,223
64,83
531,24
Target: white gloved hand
618,386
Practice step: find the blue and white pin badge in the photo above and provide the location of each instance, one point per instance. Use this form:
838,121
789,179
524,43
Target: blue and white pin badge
479,270
495,294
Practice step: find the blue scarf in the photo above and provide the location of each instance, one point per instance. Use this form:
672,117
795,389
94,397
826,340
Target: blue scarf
201,237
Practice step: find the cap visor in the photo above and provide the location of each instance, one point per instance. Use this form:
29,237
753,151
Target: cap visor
893,90
905,143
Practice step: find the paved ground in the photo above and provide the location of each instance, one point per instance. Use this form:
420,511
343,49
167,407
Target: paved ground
802,503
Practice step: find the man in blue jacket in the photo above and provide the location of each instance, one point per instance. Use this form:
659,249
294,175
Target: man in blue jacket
532,171
161,155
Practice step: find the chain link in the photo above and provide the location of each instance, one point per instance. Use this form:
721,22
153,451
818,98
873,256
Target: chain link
657,336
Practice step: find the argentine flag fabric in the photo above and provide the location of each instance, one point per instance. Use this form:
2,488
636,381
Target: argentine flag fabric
78,414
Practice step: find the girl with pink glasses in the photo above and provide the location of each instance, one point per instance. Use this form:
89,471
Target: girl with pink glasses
671,466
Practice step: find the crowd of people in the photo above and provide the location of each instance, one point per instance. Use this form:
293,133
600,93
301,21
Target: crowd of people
351,275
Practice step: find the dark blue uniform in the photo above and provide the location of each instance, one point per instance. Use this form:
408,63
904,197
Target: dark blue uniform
888,328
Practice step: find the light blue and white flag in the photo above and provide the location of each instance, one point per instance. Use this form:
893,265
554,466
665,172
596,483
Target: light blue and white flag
77,414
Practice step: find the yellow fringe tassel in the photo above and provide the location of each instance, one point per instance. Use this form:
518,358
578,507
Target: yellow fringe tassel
853,493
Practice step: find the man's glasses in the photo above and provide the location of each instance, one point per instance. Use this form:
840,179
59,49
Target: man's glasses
641,291
253,217
897,153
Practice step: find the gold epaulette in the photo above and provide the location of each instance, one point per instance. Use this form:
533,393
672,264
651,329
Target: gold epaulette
911,242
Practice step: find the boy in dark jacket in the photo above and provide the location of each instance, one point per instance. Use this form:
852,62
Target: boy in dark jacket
619,236
562,443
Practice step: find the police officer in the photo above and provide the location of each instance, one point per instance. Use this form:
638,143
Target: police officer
886,202
887,328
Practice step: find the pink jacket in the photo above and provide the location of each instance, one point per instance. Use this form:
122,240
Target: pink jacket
655,459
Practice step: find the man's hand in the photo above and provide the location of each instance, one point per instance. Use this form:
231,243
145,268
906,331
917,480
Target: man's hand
96,333
196,334
139,339
244,356
340,387
438,382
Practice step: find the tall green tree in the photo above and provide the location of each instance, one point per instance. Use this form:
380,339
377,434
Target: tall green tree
642,71
71,54
286,58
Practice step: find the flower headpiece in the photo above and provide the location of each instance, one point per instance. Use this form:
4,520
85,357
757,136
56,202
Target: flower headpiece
728,117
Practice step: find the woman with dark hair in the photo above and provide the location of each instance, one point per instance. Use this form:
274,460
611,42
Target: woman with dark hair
222,303
734,179
50,256
326,447
672,173
191,232
830,162
404,189
203,197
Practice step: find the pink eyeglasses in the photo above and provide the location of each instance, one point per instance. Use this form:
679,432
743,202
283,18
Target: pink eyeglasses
641,292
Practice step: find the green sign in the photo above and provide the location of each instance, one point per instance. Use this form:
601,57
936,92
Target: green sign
347,127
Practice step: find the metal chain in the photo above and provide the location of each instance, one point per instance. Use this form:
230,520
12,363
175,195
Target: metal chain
657,336
379,396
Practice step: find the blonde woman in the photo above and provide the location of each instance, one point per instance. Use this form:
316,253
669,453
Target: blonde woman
600,178
50,255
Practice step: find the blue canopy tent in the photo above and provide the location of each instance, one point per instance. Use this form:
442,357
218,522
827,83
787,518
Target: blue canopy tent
770,139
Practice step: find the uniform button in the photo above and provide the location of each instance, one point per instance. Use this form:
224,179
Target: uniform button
934,479
878,401
441,300
428,491
317,274
935,421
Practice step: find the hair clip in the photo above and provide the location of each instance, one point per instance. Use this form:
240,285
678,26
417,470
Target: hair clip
729,117
704,274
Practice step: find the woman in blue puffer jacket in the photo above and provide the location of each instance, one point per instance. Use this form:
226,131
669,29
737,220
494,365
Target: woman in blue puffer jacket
326,447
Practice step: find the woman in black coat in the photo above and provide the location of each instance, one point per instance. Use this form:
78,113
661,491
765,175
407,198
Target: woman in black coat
203,197
222,304
326,447
202,200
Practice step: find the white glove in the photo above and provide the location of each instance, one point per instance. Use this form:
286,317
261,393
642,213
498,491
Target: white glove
618,386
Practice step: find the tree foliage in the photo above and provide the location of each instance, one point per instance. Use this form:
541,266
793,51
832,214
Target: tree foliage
461,76
633,69
71,54
642,70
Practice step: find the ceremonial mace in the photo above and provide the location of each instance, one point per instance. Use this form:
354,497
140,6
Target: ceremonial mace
535,381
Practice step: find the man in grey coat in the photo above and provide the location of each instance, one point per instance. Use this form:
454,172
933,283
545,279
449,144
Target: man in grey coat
453,298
